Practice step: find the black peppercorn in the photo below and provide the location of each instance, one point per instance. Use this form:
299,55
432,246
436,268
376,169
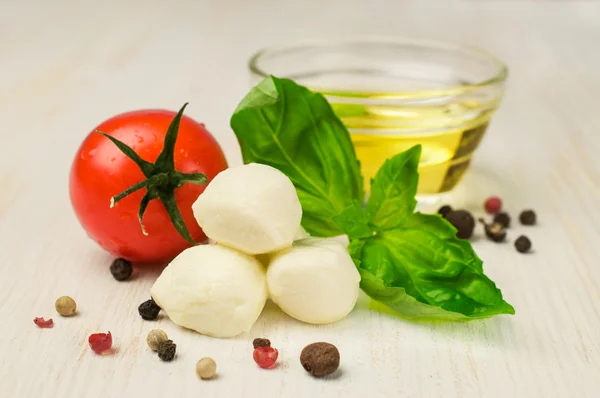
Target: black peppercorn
444,210
320,359
166,350
463,221
261,343
149,310
495,231
527,217
523,244
503,219
121,269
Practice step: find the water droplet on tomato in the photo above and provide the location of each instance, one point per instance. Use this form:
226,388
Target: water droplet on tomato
139,138
113,159
92,152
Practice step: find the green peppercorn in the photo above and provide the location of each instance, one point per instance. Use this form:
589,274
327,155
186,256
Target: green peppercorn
65,306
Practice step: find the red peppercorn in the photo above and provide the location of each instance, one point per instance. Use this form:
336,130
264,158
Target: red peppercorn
100,343
493,204
265,357
44,324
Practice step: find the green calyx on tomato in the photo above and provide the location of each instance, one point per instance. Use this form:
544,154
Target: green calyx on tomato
161,178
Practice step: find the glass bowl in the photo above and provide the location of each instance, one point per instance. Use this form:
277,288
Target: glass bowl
393,93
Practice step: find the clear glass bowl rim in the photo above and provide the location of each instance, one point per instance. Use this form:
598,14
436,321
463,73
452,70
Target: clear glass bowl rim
498,78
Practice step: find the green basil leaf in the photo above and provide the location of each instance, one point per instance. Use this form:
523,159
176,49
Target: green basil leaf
422,271
353,221
284,125
397,300
393,190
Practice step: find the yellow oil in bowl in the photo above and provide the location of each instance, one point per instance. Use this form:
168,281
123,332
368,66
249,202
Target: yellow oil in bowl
449,135
394,93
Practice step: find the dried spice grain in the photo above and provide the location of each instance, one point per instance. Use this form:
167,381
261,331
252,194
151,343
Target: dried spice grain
206,368
494,231
463,221
261,342
166,350
502,218
493,204
121,269
265,357
155,337
65,306
528,217
320,359
523,244
43,323
100,343
149,310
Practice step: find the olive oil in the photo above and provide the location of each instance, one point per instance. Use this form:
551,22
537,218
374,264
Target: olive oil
448,132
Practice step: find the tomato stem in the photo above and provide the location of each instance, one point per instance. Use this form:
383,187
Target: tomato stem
161,178
194,178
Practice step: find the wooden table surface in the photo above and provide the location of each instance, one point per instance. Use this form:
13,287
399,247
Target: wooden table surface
66,65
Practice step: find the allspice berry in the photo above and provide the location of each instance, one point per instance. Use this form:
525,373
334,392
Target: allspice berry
155,337
463,221
206,368
65,306
166,350
494,231
523,244
503,219
320,359
527,217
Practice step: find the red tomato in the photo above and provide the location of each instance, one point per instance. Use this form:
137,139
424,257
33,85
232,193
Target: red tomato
100,171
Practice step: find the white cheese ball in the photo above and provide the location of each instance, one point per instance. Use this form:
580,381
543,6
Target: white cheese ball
253,208
213,290
315,281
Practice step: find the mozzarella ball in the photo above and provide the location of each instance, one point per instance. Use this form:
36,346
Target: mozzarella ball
252,208
213,290
315,281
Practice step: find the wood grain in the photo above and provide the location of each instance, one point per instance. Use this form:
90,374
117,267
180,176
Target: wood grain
67,65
